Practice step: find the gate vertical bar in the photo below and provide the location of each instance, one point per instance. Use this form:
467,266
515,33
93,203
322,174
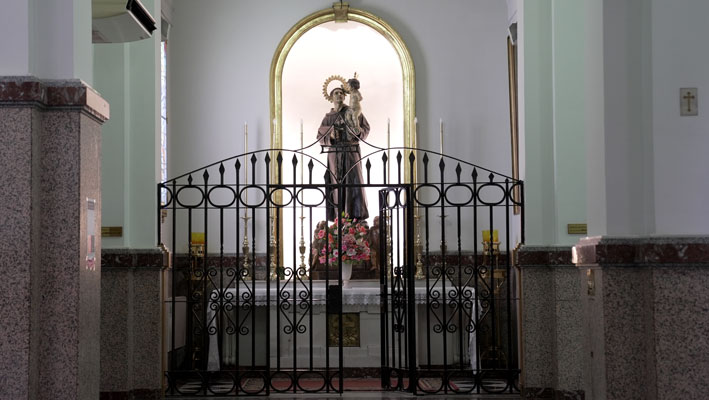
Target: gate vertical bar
413,381
174,273
269,232
237,209
205,298
253,268
294,276
476,269
340,207
509,291
383,305
444,275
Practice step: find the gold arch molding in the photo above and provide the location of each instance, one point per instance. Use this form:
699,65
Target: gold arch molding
337,12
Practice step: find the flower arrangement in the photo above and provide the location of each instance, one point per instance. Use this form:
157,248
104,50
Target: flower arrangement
355,246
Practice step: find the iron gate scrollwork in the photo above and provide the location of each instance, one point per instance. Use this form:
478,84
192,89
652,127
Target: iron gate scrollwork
256,279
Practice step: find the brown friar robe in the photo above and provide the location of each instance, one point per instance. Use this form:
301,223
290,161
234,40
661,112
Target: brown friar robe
344,166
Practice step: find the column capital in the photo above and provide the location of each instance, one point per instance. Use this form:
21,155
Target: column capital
72,93
642,250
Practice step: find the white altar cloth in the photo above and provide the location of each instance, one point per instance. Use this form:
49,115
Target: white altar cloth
364,293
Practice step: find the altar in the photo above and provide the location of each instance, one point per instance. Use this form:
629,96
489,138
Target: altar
361,308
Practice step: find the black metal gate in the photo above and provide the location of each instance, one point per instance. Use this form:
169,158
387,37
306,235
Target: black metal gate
256,302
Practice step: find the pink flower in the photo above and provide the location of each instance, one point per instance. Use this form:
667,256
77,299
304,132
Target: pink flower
321,234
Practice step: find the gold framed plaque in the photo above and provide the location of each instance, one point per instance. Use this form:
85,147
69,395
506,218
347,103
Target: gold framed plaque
350,330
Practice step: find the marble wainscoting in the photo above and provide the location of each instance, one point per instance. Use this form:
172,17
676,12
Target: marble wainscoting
131,324
551,333
50,144
646,315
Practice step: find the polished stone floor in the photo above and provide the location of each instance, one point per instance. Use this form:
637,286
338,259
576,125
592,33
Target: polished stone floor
369,395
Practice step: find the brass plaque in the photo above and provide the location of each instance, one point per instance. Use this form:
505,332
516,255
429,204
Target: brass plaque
111,231
350,330
577,229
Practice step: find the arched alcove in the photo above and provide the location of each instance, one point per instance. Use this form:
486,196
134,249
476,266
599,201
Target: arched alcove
324,44
350,15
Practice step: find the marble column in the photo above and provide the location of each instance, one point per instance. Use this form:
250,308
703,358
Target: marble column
131,324
551,334
646,315
50,218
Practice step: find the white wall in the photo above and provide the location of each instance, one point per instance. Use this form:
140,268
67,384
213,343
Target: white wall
128,76
538,128
645,164
220,70
15,38
628,139
220,54
679,59
569,117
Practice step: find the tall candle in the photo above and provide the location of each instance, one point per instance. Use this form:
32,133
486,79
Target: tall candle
441,135
246,150
301,168
246,164
388,150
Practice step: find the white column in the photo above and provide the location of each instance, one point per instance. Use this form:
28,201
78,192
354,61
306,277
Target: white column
47,39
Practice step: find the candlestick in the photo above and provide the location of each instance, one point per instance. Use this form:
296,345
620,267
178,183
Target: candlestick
441,135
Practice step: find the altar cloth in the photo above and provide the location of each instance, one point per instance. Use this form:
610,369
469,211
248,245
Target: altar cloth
363,293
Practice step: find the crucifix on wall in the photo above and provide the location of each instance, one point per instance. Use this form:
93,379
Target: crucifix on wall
688,101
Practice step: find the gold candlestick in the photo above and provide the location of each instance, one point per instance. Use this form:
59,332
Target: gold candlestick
272,244
389,256
444,246
246,273
418,249
302,271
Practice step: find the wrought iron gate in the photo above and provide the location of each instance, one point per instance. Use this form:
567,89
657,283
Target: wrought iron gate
256,295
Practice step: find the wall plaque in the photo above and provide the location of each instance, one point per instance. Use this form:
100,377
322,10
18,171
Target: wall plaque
577,229
111,231
350,330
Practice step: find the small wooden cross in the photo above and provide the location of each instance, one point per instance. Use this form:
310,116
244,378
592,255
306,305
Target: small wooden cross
689,97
